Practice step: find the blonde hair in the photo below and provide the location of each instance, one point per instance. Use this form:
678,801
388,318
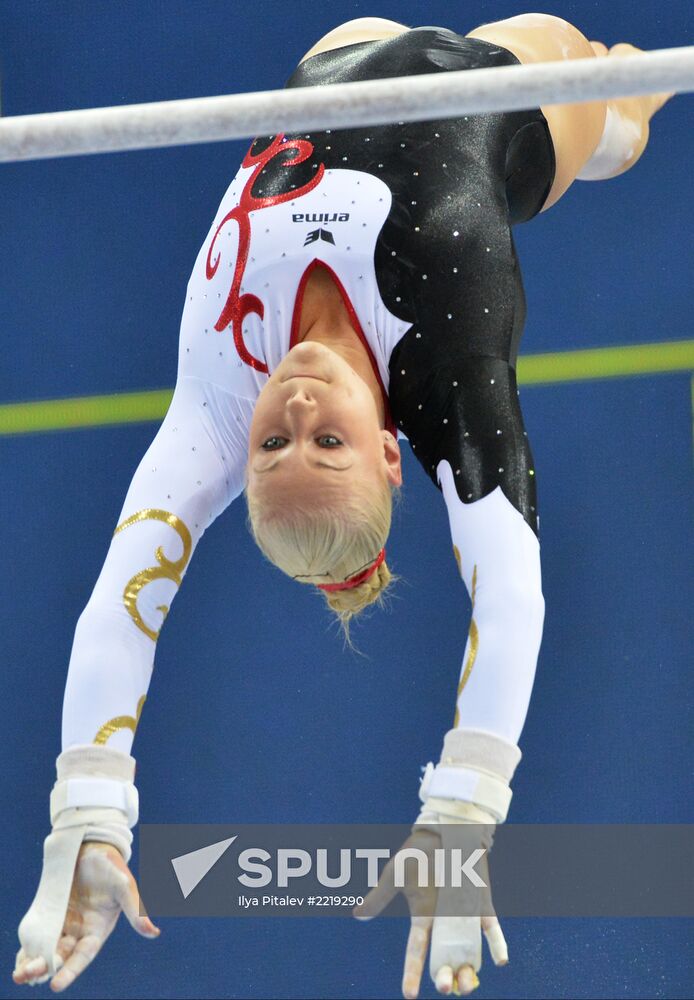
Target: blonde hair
316,544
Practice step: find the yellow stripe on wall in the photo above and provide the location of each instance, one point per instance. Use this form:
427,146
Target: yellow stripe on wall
84,411
606,362
533,369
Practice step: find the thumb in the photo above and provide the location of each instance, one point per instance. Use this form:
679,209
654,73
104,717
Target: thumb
129,899
378,898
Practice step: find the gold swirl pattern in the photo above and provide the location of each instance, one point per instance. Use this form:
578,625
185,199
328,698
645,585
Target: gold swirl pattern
120,722
474,637
166,570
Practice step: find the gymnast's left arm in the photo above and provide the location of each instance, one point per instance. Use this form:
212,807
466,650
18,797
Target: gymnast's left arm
498,557
487,478
497,554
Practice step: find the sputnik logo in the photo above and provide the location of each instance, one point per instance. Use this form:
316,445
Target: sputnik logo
296,863
191,868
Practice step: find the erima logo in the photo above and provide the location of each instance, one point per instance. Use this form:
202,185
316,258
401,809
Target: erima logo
319,234
320,216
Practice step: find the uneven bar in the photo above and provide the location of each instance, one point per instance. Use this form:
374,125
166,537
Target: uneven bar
343,105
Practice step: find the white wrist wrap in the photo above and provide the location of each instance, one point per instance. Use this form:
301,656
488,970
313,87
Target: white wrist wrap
470,784
467,785
617,145
95,790
81,792
93,799
475,767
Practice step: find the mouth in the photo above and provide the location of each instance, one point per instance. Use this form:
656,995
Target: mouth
315,377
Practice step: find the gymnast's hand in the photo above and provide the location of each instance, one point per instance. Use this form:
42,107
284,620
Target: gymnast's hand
456,941
103,885
649,103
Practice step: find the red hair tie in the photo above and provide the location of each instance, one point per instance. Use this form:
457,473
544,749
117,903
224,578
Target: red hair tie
354,581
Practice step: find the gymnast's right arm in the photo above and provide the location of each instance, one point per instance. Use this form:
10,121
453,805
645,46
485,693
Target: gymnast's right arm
193,469
191,472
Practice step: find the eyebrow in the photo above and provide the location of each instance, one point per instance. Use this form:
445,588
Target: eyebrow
322,465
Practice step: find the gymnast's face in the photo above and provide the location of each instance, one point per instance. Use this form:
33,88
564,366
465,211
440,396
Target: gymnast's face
315,430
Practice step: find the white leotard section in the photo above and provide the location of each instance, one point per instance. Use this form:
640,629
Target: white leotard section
278,257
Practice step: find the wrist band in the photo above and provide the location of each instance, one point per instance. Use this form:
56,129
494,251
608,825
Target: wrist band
466,784
482,751
95,793
438,811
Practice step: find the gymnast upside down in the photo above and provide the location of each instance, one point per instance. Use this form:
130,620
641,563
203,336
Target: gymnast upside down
357,288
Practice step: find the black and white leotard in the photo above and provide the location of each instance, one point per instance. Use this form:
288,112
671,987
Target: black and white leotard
414,223
445,261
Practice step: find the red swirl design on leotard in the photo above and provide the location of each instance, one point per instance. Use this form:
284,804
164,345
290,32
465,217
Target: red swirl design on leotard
238,306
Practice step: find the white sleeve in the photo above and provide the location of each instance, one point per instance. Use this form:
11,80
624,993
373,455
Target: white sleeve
192,470
498,556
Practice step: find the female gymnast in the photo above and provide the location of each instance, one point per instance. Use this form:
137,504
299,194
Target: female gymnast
356,287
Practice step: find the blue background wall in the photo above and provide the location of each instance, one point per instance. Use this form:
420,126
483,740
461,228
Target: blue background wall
255,712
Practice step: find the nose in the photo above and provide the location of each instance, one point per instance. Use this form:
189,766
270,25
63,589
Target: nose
300,398
300,409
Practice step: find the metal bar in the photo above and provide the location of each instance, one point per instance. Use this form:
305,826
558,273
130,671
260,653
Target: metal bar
344,105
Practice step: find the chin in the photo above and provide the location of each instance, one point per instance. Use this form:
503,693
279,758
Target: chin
307,348
307,359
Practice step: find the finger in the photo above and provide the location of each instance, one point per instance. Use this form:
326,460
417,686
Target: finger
39,972
65,947
29,968
455,941
444,979
83,954
20,963
415,955
496,941
379,897
467,980
625,49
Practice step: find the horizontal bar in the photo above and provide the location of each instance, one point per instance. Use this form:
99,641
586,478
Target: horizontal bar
344,105
533,369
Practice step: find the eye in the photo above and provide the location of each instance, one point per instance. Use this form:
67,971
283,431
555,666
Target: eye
276,442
